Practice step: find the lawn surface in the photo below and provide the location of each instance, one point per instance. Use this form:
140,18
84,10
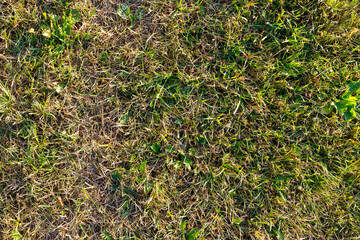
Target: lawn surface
164,119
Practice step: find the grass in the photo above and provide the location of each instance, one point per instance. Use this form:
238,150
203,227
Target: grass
178,119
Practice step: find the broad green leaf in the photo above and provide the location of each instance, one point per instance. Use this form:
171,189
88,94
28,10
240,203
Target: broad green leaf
59,88
354,87
327,108
116,176
16,235
340,106
103,56
201,139
106,235
182,224
156,147
178,121
350,114
113,187
177,164
237,220
124,119
140,13
280,234
124,11
188,163
75,14
148,187
170,149
346,106
350,100
193,234
142,167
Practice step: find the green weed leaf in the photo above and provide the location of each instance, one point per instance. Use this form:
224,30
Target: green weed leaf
142,167
193,234
188,163
170,149
115,177
279,234
104,56
182,225
106,235
349,114
75,15
327,108
354,87
347,103
59,88
124,11
341,106
148,187
16,235
124,119
156,147
140,13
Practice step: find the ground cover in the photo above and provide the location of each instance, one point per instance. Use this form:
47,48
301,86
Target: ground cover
179,119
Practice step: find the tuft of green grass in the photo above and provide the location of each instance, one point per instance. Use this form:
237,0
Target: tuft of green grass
197,119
